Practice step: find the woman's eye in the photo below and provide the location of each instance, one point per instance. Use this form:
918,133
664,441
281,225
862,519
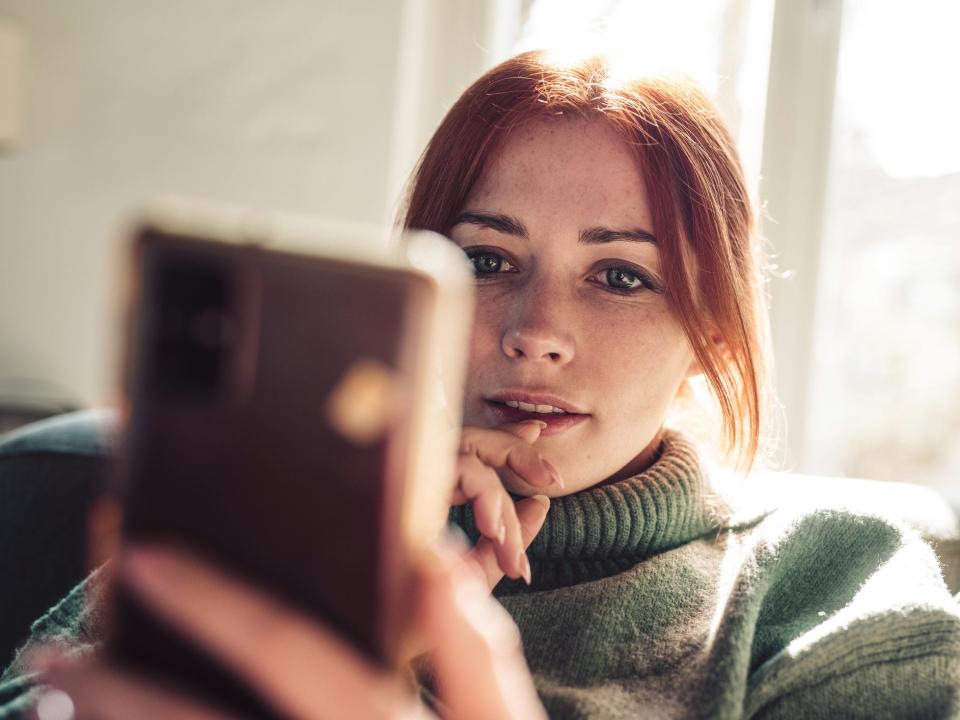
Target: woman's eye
624,279
488,263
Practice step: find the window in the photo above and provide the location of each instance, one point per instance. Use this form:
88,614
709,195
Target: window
722,44
886,360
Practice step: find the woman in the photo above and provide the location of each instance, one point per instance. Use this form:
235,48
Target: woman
615,252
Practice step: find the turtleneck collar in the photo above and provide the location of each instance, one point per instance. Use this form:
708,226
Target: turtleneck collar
607,528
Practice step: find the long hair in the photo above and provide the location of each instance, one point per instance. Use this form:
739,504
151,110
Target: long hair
701,210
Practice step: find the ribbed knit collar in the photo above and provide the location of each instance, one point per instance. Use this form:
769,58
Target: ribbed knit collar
605,529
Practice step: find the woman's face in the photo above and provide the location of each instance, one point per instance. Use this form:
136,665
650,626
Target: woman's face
570,305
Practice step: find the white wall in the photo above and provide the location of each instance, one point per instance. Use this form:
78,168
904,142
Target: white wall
286,104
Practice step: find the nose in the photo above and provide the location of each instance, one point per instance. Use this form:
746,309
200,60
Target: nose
535,336
536,345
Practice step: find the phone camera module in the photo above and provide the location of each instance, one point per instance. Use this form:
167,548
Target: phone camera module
193,327
212,328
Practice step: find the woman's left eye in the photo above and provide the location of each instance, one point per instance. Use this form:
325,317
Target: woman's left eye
624,279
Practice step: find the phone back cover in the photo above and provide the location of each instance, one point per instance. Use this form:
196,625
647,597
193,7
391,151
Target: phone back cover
250,472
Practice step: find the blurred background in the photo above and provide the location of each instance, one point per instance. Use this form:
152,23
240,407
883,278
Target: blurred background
846,113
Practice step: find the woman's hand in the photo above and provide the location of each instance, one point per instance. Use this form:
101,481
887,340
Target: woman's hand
500,522
297,665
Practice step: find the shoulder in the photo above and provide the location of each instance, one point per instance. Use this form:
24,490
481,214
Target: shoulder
854,614
847,605
835,545
791,512
76,622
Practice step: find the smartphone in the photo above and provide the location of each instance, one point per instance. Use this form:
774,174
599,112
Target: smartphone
294,396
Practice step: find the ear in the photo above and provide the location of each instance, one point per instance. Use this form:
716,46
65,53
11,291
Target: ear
720,347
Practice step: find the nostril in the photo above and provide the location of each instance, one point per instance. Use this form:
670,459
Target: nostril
534,346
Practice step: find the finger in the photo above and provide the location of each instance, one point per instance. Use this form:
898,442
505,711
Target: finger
494,513
479,484
478,657
498,448
510,554
531,514
294,662
528,430
91,690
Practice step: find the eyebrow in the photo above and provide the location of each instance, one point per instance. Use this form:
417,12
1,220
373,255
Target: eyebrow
511,226
501,223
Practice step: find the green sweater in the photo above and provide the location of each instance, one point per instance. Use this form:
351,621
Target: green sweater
650,600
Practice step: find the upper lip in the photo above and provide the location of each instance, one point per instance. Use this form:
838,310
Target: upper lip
534,398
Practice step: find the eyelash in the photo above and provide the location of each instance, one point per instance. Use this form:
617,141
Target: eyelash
647,283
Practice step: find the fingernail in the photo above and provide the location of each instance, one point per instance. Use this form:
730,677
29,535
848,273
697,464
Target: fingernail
502,532
541,423
554,473
525,568
543,500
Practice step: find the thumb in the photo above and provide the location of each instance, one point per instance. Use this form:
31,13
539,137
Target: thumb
478,660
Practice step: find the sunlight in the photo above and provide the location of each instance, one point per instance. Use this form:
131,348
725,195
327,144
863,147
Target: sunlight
898,84
640,38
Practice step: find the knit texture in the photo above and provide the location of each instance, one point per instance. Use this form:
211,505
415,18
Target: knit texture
605,529
75,624
647,601
651,598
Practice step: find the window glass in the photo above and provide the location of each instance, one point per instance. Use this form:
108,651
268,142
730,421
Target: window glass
722,44
886,401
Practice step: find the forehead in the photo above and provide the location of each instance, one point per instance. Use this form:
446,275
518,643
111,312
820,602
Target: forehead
581,166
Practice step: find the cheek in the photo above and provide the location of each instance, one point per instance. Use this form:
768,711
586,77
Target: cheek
484,341
640,355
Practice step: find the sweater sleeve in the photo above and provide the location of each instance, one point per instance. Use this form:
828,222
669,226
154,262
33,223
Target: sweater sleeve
73,624
893,652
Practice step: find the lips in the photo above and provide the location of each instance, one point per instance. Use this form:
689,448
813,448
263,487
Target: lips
501,413
535,398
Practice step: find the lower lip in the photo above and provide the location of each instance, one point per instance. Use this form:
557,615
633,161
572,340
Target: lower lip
556,422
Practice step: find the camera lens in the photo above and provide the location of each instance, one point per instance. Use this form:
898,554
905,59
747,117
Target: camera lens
212,328
193,327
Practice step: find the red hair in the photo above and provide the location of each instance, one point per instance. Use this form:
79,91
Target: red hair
702,214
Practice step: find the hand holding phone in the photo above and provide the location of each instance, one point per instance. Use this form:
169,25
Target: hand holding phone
294,419
294,424
302,668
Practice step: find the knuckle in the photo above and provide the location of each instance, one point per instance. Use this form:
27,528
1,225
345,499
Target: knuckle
471,464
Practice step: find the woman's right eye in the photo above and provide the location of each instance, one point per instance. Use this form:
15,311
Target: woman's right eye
487,262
